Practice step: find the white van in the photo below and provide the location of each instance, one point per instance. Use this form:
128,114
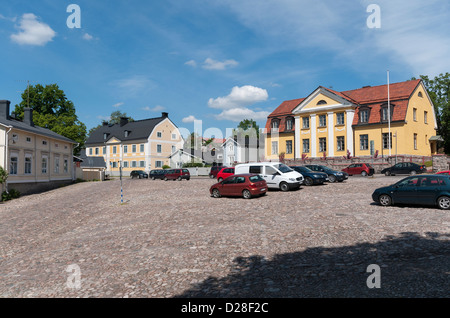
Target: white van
276,174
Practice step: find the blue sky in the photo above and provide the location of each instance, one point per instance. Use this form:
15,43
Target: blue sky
218,61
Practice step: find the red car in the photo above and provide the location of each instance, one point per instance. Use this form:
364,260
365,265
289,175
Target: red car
177,174
225,173
443,172
363,169
245,185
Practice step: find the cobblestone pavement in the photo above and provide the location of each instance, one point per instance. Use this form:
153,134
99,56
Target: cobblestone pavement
171,239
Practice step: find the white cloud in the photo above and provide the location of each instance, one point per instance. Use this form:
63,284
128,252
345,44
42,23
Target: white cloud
189,119
239,114
154,109
239,97
134,86
32,32
191,63
87,37
105,118
210,64
117,105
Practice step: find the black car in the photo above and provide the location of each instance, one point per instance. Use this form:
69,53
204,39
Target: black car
311,177
138,174
404,168
157,174
424,190
333,175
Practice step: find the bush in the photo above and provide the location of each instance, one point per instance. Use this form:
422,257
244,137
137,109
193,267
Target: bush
192,165
429,163
166,167
12,194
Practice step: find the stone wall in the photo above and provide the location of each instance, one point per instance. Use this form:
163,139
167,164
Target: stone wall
37,187
440,163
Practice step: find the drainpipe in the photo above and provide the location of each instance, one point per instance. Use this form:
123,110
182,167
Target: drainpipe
6,154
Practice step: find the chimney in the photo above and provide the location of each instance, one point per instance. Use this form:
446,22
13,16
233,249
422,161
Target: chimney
28,116
164,115
4,109
123,121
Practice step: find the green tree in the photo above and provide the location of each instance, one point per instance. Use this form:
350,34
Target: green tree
3,176
52,110
248,125
439,91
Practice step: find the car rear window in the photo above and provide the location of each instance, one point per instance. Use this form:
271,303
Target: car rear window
185,170
256,178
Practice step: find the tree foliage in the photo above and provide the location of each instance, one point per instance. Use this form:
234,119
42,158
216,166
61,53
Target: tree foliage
52,110
439,91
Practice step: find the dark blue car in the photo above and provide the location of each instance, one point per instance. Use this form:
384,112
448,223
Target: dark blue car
311,177
422,190
333,175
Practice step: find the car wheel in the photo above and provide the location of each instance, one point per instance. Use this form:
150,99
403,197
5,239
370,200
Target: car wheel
246,194
309,181
211,176
332,178
219,180
387,173
179,178
364,174
153,178
216,193
413,172
165,179
385,200
284,186
444,203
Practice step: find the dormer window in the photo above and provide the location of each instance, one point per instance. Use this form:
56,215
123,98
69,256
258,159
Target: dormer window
384,112
275,123
126,133
289,123
364,115
322,102
105,136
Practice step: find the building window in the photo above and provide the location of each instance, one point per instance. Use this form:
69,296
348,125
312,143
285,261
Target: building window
141,148
142,164
56,145
415,141
384,113
158,148
125,164
420,94
274,147
174,149
425,117
322,120
364,142
322,144
66,166
90,151
126,133
104,150
133,164
289,123
415,114
125,149
97,151
14,165
114,149
305,145
159,164
321,102
56,164
364,116
340,143
44,142
174,136
340,119
159,134
28,165
28,139
133,148
275,123
305,122
44,165
105,136
387,141
288,146
114,164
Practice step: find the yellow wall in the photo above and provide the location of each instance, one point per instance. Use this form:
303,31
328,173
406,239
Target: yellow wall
282,138
319,97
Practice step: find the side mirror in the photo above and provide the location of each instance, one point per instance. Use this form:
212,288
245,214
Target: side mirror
276,174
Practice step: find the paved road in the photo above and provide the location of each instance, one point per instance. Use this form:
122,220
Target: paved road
171,239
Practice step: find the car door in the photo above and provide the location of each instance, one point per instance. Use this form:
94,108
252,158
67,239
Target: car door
237,186
428,190
351,169
227,186
272,176
397,168
406,190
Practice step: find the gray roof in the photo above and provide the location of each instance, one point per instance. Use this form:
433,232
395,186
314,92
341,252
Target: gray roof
139,129
34,129
91,162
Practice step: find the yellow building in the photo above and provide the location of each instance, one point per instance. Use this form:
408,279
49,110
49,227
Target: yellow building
135,145
330,123
34,157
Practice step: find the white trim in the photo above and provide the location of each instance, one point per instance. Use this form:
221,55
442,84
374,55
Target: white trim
350,114
321,90
297,150
313,143
330,134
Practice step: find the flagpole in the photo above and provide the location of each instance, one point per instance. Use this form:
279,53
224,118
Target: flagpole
389,115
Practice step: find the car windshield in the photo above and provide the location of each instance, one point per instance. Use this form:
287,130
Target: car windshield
303,169
283,168
256,178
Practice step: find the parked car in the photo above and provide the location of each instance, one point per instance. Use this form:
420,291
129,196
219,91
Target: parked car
225,173
245,185
363,169
214,171
333,175
177,174
311,177
138,174
276,174
445,172
157,174
404,168
424,190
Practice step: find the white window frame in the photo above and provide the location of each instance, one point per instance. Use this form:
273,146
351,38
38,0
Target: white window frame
14,168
